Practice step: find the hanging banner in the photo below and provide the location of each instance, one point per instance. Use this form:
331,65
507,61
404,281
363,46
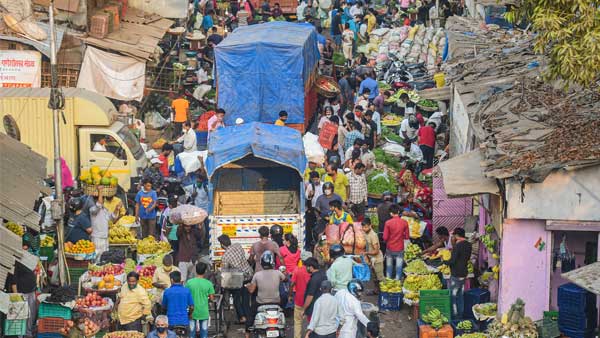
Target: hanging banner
20,68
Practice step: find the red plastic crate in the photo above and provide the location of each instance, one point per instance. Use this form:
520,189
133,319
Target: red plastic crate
50,325
99,26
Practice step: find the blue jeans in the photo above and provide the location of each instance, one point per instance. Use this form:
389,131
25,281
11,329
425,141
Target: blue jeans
337,39
457,288
199,325
394,259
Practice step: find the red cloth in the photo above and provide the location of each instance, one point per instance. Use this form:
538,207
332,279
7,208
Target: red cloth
426,136
291,259
395,232
164,167
300,280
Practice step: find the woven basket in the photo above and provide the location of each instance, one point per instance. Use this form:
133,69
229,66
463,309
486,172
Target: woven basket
427,109
324,92
92,190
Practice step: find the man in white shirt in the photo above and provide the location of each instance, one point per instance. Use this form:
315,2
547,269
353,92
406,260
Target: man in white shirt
188,138
326,315
351,310
412,151
314,188
356,9
300,10
409,128
100,217
100,145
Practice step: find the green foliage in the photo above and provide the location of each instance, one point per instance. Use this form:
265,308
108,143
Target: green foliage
569,32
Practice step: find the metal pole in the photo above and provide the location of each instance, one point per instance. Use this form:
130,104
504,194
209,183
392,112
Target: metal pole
54,105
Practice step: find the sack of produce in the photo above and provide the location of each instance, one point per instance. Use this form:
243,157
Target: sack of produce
154,120
190,161
188,214
313,150
353,238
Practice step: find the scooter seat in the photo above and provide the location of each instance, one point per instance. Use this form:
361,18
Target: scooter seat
269,307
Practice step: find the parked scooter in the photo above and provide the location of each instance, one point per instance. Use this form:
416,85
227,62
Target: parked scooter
269,322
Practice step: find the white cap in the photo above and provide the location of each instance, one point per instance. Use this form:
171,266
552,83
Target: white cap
239,121
156,160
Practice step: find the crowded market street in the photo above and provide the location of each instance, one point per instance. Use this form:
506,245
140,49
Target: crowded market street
301,168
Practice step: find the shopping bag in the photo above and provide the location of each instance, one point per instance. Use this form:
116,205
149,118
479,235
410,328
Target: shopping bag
361,271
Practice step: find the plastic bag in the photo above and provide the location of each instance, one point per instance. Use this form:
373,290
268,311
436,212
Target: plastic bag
154,120
313,150
353,238
190,162
201,90
188,214
361,271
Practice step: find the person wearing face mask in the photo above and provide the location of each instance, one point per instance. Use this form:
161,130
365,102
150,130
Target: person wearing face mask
313,166
161,280
133,304
409,128
188,138
162,329
322,206
327,114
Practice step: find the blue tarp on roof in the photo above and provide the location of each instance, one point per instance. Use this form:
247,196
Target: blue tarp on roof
262,70
278,144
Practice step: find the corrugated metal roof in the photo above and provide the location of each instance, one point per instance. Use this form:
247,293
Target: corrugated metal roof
101,101
586,277
42,46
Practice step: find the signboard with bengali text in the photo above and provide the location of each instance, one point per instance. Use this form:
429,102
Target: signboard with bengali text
20,69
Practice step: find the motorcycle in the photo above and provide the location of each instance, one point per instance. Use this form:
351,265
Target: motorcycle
269,322
181,331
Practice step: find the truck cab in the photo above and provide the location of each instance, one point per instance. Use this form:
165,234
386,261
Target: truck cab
255,179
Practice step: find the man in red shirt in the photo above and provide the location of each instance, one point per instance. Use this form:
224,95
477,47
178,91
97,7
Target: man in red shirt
300,280
164,158
396,231
427,143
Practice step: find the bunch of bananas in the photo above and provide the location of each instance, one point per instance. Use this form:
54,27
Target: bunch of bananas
435,318
473,335
416,283
149,245
444,269
414,296
47,242
417,267
15,228
118,234
126,220
489,243
390,285
496,271
411,252
466,325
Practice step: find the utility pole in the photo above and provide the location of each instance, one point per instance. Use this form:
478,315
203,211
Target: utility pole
56,103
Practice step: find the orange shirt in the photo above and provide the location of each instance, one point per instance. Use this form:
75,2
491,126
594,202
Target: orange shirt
180,106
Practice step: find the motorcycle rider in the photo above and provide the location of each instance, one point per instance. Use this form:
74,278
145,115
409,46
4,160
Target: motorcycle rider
266,285
340,271
276,232
263,245
350,308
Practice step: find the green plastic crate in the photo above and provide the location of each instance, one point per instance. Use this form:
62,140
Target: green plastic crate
47,253
54,310
548,327
16,327
75,273
435,299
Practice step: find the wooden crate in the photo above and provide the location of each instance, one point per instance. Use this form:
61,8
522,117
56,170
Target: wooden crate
256,202
99,25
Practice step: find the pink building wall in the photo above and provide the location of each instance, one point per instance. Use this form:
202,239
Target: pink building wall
525,269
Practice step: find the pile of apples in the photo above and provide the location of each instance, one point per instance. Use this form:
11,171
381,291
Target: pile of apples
90,327
92,299
148,271
110,269
65,330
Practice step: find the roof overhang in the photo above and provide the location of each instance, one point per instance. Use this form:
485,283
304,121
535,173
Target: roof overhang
463,176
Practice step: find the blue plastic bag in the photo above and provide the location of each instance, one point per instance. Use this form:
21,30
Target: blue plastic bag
361,271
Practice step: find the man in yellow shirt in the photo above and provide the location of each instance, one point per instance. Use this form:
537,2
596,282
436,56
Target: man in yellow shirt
341,186
371,20
161,280
133,304
181,109
313,166
283,115
112,203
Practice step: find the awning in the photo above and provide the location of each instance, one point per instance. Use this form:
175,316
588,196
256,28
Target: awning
138,35
269,142
586,277
42,46
22,174
463,176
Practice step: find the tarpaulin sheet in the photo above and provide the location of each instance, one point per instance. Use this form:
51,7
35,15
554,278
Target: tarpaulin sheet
263,69
282,145
115,76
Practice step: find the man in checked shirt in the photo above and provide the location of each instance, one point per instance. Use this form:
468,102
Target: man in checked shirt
357,199
235,258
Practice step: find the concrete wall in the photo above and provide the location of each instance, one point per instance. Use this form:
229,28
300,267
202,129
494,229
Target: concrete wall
564,195
525,269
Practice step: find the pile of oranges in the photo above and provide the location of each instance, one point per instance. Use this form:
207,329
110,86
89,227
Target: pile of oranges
81,247
109,282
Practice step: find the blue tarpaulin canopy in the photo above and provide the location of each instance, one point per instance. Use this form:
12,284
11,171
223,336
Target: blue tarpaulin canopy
263,69
269,142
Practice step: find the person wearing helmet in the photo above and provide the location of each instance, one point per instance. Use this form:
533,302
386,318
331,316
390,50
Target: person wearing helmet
322,205
266,285
340,271
276,232
326,315
350,308
79,224
263,245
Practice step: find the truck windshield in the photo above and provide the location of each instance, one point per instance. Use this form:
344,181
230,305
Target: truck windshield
131,142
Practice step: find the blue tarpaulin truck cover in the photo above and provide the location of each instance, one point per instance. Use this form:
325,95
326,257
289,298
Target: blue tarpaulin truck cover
282,145
264,69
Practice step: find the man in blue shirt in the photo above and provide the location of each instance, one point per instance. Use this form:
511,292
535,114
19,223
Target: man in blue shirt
145,208
178,301
161,328
370,83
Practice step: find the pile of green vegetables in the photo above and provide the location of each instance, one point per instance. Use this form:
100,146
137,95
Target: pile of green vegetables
391,135
428,103
389,160
412,95
383,86
380,182
338,59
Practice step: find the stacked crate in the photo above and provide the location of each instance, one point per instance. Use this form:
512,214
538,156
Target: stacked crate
577,311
